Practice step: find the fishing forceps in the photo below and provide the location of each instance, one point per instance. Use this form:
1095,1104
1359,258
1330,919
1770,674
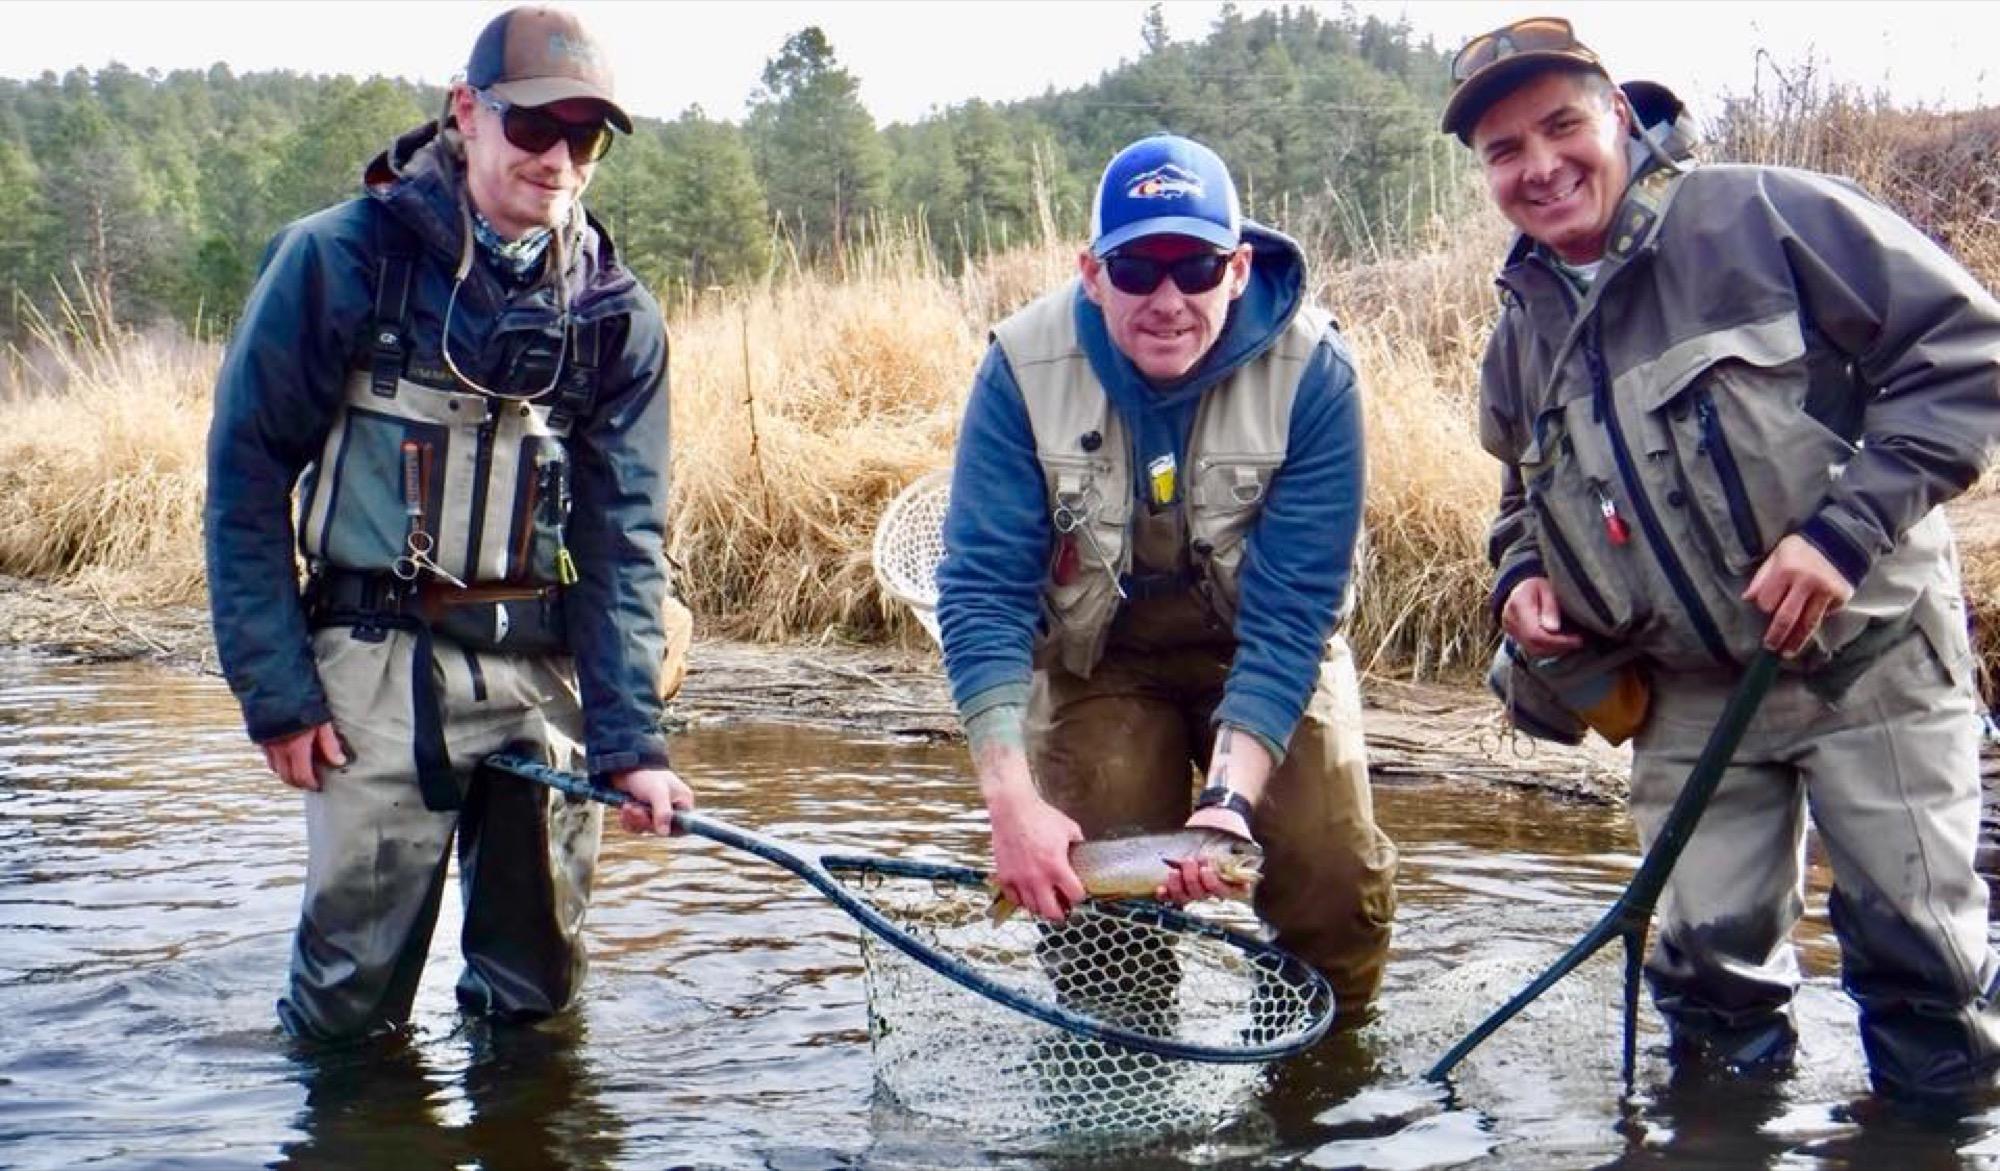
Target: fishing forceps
418,544
1073,513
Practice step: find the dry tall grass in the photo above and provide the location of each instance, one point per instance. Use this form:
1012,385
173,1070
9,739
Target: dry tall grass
802,405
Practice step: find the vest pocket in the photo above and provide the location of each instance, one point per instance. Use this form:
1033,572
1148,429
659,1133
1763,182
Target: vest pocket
539,552
357,515
1087,519
1227,498
1748,463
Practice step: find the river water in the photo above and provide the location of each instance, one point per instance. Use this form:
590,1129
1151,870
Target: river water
149,879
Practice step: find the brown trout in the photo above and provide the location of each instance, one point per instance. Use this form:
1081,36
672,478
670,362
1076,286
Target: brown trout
1134,867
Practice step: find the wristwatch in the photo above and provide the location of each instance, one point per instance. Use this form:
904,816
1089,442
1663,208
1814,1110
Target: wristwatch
1227,798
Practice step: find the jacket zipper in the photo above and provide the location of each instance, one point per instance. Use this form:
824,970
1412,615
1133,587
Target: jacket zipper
1716,445
1568,558
1642,506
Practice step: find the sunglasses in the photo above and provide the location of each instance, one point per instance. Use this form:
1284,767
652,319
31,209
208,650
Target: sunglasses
1539,34
1140,275
535,130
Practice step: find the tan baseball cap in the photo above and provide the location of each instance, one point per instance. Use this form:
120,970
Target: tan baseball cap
533,56
1492,64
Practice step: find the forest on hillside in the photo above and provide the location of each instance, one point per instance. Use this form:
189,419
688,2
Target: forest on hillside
151,196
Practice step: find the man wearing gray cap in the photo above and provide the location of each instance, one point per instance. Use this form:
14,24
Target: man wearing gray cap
1729,401
468,394
1152,528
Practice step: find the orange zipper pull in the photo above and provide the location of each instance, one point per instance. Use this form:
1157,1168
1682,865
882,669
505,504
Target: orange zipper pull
1614,525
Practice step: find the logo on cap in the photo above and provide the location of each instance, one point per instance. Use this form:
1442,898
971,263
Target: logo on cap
1165,182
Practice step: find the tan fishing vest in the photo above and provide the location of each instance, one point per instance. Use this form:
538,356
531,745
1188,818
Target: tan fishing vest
486,478
1237,445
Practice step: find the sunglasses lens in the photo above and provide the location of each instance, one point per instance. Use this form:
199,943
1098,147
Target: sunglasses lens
1200,273
1134,275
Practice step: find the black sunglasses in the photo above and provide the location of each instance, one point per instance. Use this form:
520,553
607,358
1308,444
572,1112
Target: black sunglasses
535,130
1140,275
1539,34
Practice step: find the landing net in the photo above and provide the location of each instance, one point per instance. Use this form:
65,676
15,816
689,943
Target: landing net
909,543
972,1062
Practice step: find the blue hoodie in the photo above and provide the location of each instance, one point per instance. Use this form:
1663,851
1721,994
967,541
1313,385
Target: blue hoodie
999,539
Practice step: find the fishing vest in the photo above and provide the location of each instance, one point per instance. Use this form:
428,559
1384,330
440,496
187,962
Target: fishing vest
1237,444
412,450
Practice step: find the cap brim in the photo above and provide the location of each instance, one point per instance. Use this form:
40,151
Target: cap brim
543,91
1477,94
1207,231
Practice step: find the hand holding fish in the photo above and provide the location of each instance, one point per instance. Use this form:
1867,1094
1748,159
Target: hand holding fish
1237,772
1031,848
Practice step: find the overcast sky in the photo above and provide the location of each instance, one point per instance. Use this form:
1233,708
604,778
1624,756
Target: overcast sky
913,55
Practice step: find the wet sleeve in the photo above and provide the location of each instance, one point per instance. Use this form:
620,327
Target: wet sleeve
1299,556
276,392
996,547
618,527
1924,337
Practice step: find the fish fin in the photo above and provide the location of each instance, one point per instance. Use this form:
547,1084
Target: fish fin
1001,908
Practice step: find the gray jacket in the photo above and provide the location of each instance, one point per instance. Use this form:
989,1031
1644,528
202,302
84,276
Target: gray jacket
1763,351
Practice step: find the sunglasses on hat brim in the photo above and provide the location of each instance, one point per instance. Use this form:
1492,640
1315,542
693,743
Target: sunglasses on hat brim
1540,34
1140,275
536,130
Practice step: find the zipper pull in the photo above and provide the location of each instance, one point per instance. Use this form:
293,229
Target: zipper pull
1614,525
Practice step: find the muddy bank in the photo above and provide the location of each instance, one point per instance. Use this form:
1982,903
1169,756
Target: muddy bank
1415,731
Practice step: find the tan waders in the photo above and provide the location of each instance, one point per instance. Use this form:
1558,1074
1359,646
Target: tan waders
1117,751
377,856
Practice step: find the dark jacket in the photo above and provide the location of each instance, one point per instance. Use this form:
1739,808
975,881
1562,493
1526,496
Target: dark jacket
308,325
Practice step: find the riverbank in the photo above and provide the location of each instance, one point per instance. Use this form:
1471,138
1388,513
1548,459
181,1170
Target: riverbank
1415,731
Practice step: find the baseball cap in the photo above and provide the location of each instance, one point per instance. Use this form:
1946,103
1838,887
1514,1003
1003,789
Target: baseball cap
533,56
1165,185
1492,64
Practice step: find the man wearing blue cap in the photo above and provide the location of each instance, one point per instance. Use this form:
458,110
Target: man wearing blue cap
467,393
1153,519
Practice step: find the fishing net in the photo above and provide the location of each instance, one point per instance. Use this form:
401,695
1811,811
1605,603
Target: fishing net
1211,1003
909,543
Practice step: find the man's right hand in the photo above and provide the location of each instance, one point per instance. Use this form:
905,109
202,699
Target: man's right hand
295,759
1031,841
1533,619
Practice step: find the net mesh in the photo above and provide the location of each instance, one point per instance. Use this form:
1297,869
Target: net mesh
909,543
951,1056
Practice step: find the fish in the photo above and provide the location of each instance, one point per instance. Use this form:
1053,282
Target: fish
1134,867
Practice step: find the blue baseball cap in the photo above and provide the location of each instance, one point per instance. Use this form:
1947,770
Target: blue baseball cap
1165,185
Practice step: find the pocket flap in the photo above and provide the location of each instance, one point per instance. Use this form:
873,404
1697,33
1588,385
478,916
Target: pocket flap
1769,343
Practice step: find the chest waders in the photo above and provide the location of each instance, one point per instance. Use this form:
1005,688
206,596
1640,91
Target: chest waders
441,510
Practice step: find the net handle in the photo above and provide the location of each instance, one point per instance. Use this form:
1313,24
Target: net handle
815,874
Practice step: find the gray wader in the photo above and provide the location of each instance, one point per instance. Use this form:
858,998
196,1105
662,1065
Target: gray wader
377,856
1889,773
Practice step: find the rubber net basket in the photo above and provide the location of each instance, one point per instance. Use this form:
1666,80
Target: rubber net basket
909,543
950,1057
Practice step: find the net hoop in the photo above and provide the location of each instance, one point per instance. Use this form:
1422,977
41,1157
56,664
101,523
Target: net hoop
1281,965
909,543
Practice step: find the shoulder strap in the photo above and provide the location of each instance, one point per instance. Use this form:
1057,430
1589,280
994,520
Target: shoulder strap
393,272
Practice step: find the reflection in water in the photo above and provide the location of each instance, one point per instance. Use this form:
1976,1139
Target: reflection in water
149,880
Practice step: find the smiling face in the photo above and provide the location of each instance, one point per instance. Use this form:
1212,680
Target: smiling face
1554,155
516,191
1166,333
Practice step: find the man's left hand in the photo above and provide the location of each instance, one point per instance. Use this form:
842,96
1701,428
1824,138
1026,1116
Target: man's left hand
1798,587
658,792
1242,764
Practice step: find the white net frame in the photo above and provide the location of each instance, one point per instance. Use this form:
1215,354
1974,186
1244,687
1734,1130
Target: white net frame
909,543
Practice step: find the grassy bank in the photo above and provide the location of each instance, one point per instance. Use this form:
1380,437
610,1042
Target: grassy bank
802,405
